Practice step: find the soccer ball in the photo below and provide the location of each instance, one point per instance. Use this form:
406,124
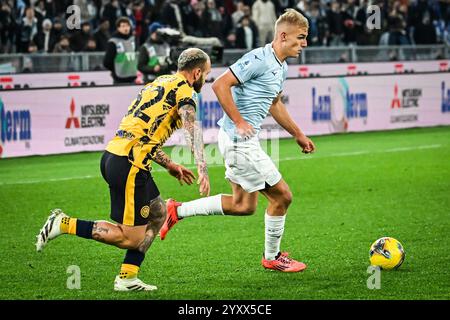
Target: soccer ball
387,253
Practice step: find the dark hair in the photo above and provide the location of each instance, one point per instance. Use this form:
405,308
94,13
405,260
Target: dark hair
122,20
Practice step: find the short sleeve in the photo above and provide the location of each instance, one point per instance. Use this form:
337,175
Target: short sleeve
248,67
186,96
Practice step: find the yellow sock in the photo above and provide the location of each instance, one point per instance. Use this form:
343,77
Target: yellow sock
68,225
128,271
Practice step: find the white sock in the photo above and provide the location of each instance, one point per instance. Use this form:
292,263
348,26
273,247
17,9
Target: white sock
201,207
274,232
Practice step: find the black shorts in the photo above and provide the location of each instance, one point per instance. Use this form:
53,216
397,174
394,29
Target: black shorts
131,190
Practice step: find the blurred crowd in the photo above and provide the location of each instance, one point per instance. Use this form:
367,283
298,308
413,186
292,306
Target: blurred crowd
28,26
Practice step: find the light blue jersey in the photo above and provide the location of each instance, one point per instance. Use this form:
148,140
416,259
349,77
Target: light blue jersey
261,75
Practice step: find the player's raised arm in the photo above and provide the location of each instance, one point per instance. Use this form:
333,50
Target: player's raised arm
194,138
222,88
283,118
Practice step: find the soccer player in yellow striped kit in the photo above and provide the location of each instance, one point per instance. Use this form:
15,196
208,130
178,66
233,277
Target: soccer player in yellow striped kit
161,107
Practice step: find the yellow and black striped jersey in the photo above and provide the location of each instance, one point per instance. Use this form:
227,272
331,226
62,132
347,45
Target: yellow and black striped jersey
151,119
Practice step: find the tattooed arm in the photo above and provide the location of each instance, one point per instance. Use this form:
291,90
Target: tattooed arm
176,170
194,138
162,159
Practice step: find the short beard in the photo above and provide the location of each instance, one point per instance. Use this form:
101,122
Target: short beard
198,85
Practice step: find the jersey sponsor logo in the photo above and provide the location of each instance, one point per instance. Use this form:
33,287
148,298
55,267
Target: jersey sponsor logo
445,98
15,125
404,104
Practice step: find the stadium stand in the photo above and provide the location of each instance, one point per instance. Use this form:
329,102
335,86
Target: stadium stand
39,26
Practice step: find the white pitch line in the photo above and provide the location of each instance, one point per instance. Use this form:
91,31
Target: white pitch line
342,154
357,153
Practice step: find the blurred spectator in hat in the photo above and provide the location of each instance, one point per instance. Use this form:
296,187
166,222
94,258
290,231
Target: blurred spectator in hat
45,39
154,54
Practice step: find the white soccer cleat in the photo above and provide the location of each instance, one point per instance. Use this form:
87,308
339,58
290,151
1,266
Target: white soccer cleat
131,285
51,229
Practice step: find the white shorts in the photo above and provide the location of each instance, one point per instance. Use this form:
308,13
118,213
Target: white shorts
247,164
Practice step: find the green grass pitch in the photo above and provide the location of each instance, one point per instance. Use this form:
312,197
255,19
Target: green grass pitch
355,189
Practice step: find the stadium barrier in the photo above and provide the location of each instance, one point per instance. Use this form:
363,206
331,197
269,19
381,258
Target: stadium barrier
65,120
90,61
99,78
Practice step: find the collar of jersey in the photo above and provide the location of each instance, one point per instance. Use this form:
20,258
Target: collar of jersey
274,54
178,74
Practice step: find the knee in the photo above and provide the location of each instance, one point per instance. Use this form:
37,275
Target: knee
131,244
284,200
245,209
158,212
125,241
287,198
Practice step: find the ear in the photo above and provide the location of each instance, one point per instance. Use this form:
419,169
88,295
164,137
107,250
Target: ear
283,36
197,73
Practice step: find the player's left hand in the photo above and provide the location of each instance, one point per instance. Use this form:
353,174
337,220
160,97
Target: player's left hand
305,143
181,173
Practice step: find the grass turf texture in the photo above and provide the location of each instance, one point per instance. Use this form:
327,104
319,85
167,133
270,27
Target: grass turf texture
354,190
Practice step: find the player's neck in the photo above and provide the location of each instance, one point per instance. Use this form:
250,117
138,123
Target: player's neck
187,76
278,52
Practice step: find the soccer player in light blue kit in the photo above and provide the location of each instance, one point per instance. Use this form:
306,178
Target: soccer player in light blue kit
247,92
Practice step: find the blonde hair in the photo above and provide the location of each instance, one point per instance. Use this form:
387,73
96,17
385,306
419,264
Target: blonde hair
192,58
292,16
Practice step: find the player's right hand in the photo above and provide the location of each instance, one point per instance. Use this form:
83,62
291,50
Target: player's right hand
245,129
203,182
181,173
203,179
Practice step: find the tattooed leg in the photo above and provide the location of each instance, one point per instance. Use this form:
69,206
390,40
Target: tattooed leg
158,214
118,235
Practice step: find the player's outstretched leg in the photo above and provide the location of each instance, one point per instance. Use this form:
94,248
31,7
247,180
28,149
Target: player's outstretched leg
51,228
240,203
127,279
